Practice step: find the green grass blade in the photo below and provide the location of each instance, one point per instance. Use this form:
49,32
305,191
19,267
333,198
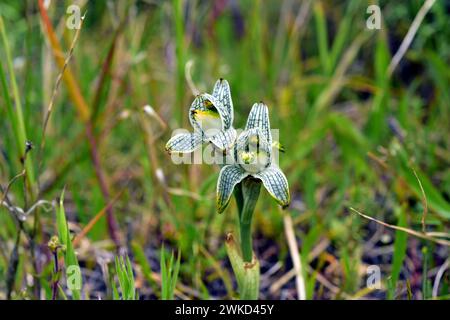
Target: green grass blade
16,116
70,256
175,274
164,276
400,245
131,280
61,221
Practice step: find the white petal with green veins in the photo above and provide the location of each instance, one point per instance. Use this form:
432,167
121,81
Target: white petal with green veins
229,176
224,140
222,93
276,184
184,142
259,118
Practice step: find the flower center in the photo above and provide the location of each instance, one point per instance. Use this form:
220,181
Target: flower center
252,161
247,157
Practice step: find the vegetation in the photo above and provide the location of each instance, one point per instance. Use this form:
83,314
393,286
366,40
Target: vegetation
91,205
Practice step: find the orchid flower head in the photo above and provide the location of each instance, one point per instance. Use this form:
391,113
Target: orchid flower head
253,158
211,116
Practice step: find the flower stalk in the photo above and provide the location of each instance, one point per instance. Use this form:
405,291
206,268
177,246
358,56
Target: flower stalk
250,193
249,165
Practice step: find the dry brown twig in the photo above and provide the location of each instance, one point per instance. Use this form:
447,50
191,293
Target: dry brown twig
409,231
431,236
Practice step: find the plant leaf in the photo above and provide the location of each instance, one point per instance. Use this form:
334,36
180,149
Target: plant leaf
247,274
64,234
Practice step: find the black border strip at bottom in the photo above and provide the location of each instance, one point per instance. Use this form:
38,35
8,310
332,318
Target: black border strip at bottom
361,309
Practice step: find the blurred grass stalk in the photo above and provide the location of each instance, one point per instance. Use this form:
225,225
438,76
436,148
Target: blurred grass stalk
179,49
400,246
15,113
84,114
322,37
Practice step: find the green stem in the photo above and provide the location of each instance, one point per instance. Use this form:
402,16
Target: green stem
250,194
246,241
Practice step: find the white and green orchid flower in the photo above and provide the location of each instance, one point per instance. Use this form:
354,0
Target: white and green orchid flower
211,116
253,158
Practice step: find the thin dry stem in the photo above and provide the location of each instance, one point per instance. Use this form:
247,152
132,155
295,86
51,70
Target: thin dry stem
409,231
55,91
410,35
425,203
295,254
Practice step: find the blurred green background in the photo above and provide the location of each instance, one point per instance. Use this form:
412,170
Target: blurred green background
353,133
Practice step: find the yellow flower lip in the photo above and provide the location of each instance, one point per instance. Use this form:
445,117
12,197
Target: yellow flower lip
205,113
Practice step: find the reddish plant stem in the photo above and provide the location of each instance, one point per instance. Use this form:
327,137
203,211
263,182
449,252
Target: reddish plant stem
111,221
56,275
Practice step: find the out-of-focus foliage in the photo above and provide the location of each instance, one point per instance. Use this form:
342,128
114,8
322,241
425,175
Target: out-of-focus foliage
352,134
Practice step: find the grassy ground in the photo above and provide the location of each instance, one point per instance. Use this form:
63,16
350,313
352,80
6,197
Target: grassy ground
356,136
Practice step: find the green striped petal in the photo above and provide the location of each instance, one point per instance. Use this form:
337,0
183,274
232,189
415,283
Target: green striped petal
229,177
184,142
224,140
222,93
276,184
259,118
